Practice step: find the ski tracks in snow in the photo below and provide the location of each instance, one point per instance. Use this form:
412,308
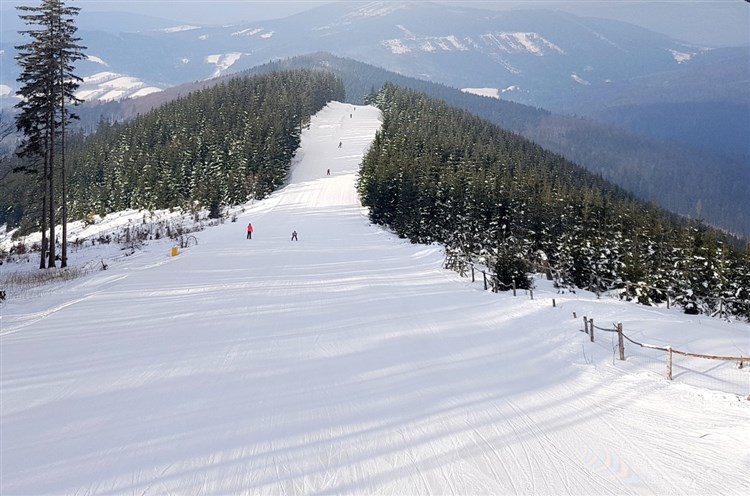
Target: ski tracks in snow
346,362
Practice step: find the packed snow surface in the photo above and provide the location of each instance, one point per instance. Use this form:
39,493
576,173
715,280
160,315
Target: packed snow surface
350,361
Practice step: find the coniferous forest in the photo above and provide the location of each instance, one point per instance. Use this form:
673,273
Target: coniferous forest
219,146
436,173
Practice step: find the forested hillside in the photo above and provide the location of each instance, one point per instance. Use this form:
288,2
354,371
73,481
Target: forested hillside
437,173
676,176
218,146
681,178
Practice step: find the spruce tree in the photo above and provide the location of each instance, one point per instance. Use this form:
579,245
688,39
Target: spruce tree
47,83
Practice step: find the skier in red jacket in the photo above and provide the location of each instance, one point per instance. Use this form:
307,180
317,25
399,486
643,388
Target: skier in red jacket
249,230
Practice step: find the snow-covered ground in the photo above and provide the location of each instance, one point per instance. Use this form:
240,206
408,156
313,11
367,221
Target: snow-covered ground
351,362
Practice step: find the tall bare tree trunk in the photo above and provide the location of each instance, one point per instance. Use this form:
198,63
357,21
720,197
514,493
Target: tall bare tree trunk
45,243
63,191
51,256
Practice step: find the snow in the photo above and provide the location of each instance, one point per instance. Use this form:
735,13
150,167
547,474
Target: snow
123,83
521,42
350,362
396,46
96,60
681,57
222,61
267,35
5,90
100,77
248,32
375,9
429,44
578,79
147,90
107,86
179,29
491,92
110,95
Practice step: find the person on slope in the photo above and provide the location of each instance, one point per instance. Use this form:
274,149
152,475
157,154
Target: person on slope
249,230
294,236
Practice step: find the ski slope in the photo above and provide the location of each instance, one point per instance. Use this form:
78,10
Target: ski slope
347,362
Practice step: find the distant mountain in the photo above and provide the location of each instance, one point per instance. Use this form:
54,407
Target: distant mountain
703,104
547,59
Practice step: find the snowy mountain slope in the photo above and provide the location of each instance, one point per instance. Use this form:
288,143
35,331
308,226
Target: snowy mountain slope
536,50
106,86
347,362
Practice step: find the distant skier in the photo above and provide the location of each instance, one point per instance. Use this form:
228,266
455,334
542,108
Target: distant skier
328,172
249,230
294,236
339,144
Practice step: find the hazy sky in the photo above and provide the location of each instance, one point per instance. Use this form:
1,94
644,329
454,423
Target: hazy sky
716,22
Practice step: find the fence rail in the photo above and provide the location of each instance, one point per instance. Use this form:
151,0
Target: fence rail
464,267
467,268
589,327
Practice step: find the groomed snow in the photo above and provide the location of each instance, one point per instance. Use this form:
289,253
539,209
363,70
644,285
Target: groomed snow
349,362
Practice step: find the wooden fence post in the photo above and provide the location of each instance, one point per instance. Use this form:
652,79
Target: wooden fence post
484,276
531,293
472,272
669,363
591,325
620,342
585,325
514,287
553,303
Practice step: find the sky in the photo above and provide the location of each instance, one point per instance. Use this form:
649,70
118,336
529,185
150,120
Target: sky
694,21
349,362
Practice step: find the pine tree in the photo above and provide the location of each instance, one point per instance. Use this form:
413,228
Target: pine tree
68,52
48,83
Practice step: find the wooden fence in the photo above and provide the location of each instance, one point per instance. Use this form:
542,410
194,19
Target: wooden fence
589,327
467,268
